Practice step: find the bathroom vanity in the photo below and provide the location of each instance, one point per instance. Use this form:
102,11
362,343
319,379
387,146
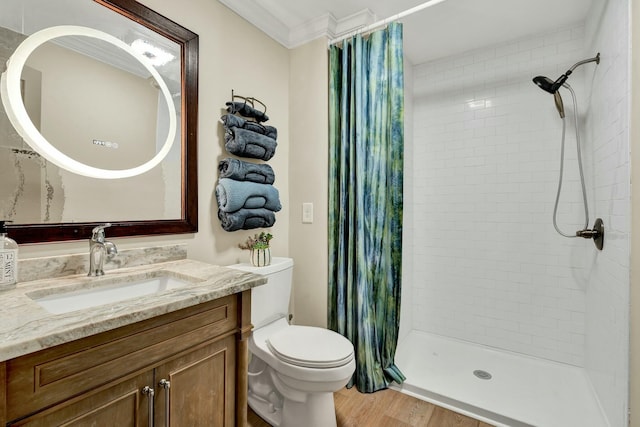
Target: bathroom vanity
177,352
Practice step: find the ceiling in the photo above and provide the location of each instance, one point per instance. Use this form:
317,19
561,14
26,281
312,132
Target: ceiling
445,28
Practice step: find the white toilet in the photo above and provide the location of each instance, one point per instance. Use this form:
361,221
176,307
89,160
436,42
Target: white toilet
294,370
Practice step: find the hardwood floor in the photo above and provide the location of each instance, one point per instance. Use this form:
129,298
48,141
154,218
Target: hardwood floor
387,408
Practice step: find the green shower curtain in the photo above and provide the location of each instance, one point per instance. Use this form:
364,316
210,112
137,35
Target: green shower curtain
366,141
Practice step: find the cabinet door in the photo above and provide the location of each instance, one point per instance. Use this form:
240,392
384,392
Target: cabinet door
122,405
201,390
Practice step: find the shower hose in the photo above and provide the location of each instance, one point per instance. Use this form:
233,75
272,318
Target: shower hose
584,191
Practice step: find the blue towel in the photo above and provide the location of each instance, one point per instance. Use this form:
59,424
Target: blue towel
246,110
246,219
246,171
230,120
234,195
245,143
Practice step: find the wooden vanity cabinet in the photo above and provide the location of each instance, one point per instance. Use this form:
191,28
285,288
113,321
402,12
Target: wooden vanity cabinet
104,379
118,405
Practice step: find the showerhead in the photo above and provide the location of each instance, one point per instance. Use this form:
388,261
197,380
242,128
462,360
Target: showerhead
544,83
548,85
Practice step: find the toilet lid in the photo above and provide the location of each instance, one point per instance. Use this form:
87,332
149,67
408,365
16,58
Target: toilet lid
311,347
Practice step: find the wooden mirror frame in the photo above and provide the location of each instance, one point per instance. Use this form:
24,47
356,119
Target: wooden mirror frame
188,41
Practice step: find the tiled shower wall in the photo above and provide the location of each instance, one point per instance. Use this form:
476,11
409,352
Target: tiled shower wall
488,264
607,295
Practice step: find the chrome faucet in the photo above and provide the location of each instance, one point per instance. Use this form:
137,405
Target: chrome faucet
99,249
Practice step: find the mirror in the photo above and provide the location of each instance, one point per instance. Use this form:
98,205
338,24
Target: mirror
142,99
48,203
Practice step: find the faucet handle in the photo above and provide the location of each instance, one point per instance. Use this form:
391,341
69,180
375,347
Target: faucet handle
98,232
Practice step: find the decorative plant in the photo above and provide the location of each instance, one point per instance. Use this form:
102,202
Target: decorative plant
257,241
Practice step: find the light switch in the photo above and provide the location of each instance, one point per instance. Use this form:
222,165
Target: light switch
307,213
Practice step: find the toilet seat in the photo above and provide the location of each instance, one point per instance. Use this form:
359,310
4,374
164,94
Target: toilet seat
310,347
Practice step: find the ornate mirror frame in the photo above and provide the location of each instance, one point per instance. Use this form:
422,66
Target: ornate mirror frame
188,223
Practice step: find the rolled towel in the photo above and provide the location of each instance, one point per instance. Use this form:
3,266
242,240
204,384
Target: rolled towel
245,143
230,120
246,171
246,219
234,195
246,110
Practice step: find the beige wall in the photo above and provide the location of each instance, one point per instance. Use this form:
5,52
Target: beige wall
634,368
308,166
233,55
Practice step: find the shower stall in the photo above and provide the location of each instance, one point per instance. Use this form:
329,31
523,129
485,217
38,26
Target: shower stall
503,318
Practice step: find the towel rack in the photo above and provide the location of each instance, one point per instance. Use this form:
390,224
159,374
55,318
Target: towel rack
249,100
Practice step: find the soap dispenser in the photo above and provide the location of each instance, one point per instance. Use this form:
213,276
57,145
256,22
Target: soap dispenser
8,259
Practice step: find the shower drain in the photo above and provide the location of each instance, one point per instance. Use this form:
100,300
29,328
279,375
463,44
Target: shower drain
483,375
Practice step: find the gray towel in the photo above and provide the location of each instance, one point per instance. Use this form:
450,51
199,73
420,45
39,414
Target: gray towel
230,120
246,171
246,110
245,143
246,219
234,195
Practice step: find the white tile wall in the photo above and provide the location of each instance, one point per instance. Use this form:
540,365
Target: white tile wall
406,318
488,264
607,296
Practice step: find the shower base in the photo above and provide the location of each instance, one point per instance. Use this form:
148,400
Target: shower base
522,391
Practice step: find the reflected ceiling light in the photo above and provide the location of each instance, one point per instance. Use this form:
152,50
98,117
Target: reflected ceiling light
157,56
17,113
473,104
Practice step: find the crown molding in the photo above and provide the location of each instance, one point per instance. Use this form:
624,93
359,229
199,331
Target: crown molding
290,37
311,30
261,18
353,22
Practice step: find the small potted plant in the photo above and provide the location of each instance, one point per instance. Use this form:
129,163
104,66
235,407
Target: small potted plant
258,244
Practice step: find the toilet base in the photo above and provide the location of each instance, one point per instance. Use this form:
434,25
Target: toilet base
291,408
317,411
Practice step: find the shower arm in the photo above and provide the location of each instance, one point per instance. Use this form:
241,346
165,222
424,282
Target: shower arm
563,78
595,59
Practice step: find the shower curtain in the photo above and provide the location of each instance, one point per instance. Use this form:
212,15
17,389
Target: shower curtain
366,132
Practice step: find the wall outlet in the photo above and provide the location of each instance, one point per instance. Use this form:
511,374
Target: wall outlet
307,213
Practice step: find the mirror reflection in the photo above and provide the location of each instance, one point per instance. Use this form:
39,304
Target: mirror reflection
112,117
99,106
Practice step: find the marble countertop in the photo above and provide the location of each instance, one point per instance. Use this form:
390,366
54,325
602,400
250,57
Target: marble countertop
26,327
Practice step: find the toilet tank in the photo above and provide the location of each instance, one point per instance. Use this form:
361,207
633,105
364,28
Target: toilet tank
271,300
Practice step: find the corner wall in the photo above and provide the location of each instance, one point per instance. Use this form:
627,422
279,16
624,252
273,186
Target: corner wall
607,130
308,168
634,377
408,231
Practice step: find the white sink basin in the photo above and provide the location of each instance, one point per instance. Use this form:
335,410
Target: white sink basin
109,293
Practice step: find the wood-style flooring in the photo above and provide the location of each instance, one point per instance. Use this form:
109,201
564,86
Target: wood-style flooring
386,408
